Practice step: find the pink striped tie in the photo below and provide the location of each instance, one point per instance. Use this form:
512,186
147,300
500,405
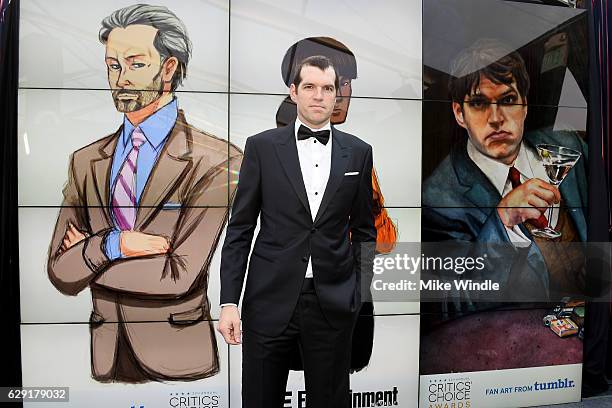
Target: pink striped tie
124,195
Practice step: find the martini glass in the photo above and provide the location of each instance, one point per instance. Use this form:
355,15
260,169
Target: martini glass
557,161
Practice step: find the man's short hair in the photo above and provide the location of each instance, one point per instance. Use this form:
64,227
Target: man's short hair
341,57
491,59
171,39
318,61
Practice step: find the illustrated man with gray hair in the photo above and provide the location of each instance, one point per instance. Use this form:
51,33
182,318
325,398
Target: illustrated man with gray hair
143,210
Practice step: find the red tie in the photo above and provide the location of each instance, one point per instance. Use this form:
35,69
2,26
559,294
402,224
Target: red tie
515,179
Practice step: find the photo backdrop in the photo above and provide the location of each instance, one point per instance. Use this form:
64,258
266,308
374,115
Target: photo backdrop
399,104
233,89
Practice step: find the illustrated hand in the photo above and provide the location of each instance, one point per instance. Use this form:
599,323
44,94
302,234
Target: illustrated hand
134,243
229,324
527,201
72,237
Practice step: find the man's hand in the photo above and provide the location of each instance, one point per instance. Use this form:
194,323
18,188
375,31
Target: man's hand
229,324
72,236
133,243
527,201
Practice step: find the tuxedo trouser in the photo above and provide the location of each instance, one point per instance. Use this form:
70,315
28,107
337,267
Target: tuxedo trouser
325,351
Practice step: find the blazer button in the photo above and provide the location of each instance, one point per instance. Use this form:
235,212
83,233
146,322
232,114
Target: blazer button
312,231
305,259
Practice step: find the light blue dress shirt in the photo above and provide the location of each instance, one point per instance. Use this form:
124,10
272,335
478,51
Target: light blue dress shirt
156,129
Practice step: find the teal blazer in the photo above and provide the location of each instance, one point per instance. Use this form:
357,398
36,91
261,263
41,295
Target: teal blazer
459,205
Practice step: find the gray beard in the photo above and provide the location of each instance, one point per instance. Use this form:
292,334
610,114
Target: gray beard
144,97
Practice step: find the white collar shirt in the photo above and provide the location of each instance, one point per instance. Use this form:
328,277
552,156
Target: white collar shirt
315,163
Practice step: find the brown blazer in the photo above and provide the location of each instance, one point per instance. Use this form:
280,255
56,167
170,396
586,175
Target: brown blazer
158,302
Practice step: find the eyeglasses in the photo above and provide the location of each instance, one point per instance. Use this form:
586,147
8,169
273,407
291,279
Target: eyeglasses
481,105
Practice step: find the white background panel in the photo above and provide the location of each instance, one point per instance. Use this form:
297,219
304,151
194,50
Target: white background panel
394,363
392,127
62,37
41,302
385,37
63,351
53,124
408,223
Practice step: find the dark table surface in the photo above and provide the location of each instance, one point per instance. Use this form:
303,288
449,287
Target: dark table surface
496,340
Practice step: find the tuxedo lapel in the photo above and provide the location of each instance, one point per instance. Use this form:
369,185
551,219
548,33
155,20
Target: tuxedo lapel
339,161
101,168
170,168
286,149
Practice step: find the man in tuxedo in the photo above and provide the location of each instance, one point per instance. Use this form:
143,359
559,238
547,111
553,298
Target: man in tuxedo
310,185
345,63
143,210
492,187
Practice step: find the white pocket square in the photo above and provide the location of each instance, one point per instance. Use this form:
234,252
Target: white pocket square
351,173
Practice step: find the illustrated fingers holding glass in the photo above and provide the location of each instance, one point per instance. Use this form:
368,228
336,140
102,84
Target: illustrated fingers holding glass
557,161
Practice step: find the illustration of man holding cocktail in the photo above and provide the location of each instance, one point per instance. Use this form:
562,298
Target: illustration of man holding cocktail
503,185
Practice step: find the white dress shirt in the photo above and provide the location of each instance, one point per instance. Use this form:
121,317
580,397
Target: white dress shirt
529,164
315,163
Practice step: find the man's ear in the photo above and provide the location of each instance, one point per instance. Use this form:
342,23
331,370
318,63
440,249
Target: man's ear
458,112
169,68
293,93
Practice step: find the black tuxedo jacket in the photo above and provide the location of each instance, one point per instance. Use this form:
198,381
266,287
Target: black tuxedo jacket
271,187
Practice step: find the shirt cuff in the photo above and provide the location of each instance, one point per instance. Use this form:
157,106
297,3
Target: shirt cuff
112,247
228,304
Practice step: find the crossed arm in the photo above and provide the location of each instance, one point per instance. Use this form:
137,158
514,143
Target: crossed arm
132,243
165,267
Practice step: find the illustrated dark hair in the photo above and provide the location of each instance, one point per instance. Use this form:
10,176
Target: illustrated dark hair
339,54
491,59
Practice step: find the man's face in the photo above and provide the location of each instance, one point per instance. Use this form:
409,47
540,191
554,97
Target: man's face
343,100
494,115
134,67
315,96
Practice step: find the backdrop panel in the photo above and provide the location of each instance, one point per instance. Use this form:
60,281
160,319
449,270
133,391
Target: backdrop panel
64,352
62,37
387,45
392,127
55,123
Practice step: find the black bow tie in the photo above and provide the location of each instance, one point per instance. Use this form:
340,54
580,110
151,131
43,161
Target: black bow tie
305,133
